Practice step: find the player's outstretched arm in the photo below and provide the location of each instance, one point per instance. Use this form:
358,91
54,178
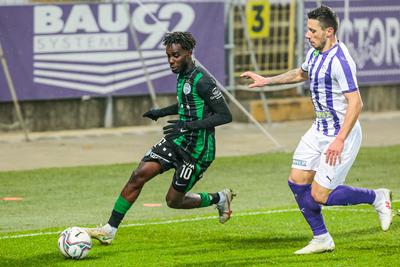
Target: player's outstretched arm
292,76
258,80
154,114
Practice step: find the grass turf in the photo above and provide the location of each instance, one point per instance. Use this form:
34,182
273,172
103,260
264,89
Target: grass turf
54,199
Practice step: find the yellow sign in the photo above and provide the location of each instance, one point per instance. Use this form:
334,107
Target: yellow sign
258,18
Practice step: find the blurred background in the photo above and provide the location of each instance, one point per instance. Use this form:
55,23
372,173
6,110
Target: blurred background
100,64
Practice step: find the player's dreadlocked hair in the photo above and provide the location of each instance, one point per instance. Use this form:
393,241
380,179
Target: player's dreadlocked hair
185,39
326,16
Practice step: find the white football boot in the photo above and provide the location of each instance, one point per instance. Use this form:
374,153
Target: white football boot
318,244
224,205
383,205
105,234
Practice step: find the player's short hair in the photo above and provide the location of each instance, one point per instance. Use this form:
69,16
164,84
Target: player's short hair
185,39
326,17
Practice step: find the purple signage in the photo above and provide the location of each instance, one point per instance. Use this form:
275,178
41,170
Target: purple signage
67,51
371,31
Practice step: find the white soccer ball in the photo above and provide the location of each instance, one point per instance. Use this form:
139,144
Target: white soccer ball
74,243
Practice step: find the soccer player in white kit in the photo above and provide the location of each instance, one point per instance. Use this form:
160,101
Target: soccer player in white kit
328,149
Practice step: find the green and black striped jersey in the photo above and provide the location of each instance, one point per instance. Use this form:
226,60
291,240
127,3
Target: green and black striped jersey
202,105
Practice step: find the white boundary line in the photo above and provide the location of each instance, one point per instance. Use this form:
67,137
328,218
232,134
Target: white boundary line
244,214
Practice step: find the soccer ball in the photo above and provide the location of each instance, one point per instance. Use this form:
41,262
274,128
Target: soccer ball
74,243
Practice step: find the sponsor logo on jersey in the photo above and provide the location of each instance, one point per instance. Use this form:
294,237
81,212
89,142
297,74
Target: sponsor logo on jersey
299,162
323,114
216,93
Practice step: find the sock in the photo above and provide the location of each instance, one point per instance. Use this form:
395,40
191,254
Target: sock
206,199
347,195
115,219
121,207
215,197
311,210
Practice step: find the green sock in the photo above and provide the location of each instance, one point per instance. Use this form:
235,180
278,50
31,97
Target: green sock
206,199
122,205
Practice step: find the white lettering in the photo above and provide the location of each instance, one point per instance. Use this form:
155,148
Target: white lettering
47,19
155,31
80,42
121,17
377,28
393,40
81,18
185,11
372,40
361,26
111,18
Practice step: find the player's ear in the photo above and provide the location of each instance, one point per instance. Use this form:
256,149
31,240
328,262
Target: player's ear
330,32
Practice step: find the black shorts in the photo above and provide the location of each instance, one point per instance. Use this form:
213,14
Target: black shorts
187,170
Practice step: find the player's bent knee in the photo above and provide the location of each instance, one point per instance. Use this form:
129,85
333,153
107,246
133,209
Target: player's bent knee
318,197
173,203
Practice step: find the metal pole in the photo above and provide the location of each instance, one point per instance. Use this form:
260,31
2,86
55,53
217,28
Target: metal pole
254,62
144,67
300,37
231,45
108,116
13,93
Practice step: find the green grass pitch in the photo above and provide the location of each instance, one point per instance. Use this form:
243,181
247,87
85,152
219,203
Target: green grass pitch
265,230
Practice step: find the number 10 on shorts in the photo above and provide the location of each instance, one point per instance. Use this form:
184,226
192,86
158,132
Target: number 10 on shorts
186,171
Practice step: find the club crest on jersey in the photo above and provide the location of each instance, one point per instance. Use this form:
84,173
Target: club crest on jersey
187,88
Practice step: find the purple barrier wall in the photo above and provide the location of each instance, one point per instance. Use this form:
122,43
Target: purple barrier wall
371,31
67,51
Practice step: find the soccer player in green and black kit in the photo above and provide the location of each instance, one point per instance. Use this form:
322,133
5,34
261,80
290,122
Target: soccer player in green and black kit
188,145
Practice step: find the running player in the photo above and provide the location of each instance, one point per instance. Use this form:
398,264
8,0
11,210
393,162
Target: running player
188,145
326,152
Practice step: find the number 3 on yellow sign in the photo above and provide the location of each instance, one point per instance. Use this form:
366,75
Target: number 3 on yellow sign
258,17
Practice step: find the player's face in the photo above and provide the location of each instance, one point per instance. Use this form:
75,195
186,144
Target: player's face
318,36
179,59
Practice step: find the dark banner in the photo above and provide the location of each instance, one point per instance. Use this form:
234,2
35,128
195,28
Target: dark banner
371,31
67,51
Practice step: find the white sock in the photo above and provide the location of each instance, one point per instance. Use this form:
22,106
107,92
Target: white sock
378,198
222,198
109,228
323,236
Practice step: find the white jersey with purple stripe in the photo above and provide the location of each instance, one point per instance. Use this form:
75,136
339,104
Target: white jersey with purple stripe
331,74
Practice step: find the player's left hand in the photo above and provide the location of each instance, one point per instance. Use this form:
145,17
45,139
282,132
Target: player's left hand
174,129
334,151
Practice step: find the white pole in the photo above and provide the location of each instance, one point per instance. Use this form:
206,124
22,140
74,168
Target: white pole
108,116
230,47
300,37
13,93
144,67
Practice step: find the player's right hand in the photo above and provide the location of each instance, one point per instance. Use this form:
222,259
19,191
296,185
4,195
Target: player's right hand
153,114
